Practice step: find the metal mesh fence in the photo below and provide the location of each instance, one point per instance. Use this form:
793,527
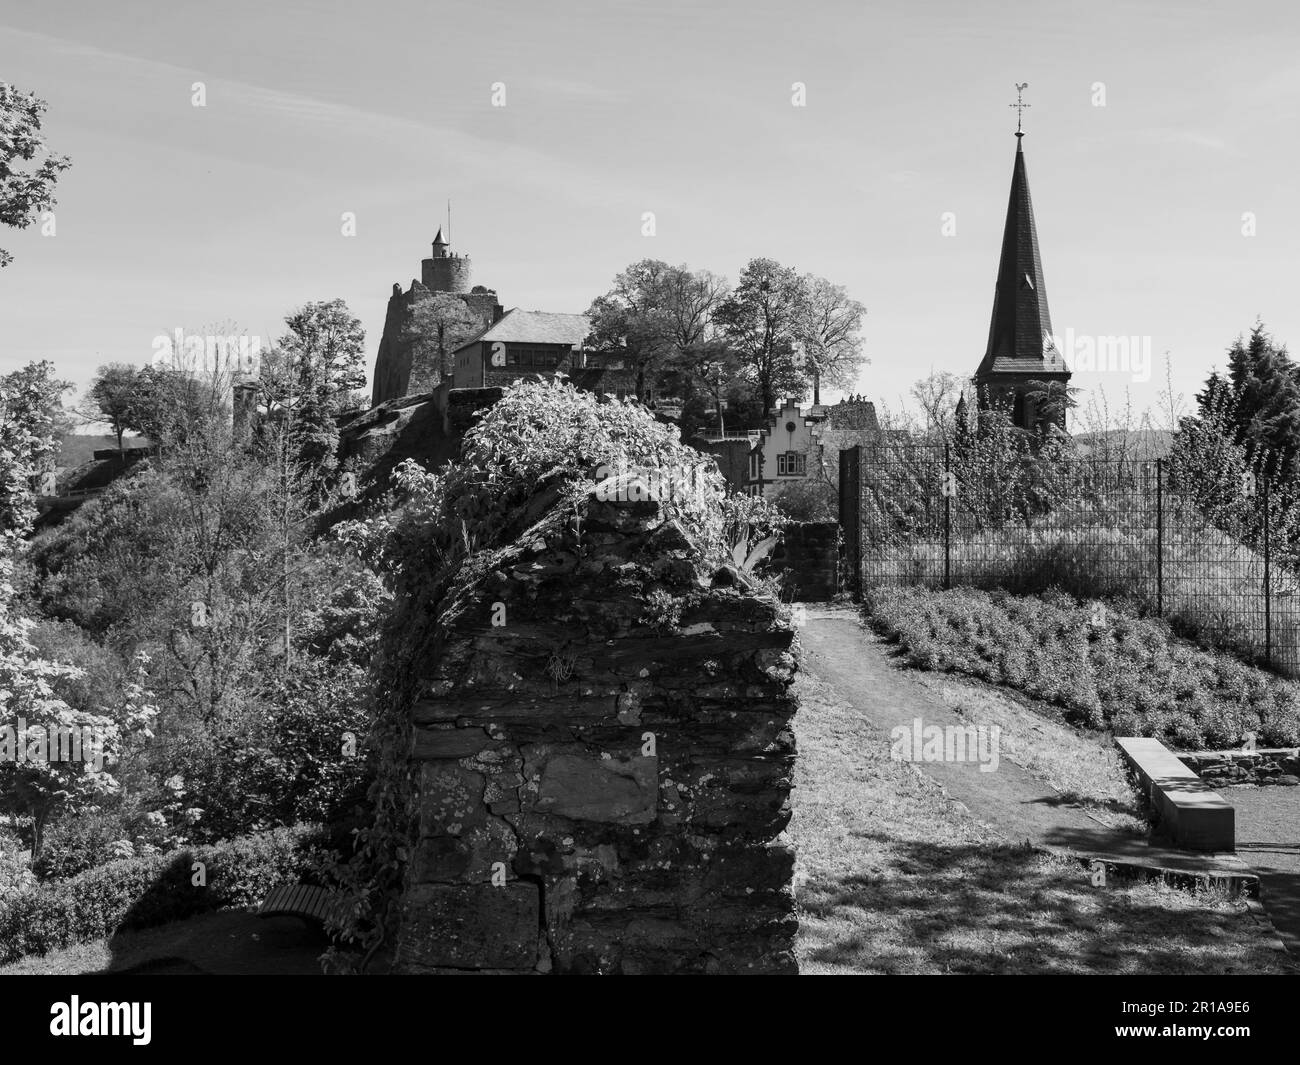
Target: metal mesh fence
1095,528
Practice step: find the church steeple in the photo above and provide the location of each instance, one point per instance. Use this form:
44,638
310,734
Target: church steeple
1020,346
1021,325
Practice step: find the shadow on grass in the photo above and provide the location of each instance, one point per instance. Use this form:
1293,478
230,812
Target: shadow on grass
179,927
1280,894
1002,909
1074,798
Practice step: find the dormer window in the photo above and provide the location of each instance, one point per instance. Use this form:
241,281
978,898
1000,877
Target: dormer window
1029,282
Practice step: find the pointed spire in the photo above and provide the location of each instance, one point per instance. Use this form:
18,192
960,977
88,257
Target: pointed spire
438,239
1020,331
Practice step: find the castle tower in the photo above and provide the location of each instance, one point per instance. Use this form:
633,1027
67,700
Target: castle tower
401,369
443,271
1021,347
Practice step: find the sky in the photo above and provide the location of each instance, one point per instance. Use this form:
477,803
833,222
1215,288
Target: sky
1156,133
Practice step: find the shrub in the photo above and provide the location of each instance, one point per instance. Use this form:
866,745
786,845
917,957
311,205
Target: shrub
807,500
74,844
1130,676
16,876
153,890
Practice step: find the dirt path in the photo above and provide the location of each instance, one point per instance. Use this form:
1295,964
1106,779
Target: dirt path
840,651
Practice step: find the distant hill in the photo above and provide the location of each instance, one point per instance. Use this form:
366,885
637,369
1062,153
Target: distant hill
75,449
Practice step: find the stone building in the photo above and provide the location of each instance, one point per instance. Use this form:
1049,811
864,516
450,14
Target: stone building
401,369
1021,354
522,344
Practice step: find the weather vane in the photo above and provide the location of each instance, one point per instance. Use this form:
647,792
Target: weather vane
1020,106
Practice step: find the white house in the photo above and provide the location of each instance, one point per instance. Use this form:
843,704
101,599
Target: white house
799,444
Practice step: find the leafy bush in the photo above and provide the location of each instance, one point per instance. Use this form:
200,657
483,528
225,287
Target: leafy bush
153,890
807,500
1108,670
16,876
74,844
297,758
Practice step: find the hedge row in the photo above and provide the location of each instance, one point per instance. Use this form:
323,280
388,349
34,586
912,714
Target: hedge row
144,892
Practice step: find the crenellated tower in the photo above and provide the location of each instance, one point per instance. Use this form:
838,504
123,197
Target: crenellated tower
444,271
401,369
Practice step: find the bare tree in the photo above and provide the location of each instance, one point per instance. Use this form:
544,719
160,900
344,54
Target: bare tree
937,395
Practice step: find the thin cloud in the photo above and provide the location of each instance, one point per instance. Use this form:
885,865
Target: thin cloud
348,123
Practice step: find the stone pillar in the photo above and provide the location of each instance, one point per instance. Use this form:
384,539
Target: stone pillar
602,754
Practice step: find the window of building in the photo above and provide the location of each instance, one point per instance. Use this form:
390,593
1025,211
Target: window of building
791,464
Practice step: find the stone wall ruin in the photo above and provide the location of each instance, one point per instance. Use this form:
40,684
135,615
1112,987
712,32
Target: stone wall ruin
602,756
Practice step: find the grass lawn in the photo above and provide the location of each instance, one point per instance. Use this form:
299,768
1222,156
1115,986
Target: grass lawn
892,878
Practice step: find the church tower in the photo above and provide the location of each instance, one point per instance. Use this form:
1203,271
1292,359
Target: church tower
1021,356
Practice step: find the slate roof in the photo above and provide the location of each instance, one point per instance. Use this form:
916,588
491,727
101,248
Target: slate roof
1007,364
537,327
1021,320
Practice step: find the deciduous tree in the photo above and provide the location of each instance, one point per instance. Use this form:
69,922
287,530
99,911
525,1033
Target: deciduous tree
829,322
24,194
761,319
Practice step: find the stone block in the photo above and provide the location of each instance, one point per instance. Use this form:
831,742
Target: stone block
1191,813
587,787
448,743
469,926
451,799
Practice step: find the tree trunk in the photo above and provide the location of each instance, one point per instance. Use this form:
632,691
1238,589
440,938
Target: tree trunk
38,832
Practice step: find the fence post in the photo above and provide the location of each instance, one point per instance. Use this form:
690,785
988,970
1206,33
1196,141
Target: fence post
851,513
1268,590
1160,538
947,518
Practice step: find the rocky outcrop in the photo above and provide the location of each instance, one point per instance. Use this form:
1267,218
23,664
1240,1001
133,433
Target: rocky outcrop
602,752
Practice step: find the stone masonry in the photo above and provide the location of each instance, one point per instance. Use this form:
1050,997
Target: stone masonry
809,556
602,754
1279,766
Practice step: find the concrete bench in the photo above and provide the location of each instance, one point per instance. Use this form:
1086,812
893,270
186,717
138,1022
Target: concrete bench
1191,813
